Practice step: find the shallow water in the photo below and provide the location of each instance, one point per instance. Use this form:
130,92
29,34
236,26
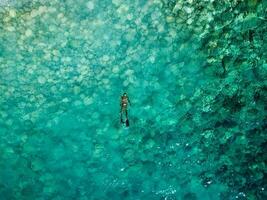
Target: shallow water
197,91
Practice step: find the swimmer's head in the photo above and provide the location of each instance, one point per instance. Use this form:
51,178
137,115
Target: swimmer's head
124,94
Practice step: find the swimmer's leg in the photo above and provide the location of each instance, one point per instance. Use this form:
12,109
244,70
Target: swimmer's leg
126,114
121,116
127,120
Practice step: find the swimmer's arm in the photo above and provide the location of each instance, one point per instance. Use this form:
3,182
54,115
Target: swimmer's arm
129,102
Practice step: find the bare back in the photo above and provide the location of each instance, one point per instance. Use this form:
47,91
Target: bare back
124,102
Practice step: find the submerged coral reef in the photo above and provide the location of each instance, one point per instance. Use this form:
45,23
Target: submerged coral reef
195,72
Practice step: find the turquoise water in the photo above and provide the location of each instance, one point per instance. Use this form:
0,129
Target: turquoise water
195,72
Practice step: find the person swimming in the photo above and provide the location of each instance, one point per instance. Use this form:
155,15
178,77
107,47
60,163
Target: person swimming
124,105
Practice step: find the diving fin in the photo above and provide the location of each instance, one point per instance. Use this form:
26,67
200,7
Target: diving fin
127,123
